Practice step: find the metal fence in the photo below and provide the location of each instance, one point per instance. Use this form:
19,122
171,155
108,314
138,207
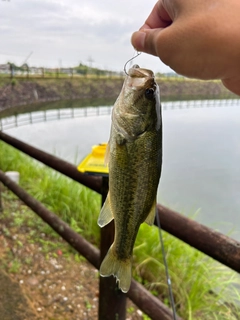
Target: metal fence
50,115
18,120
25,71
214,244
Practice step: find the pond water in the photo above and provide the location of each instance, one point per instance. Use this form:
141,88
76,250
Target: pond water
201,158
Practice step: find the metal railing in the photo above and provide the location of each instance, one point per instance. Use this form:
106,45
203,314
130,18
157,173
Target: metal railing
70,113
51,115
214,244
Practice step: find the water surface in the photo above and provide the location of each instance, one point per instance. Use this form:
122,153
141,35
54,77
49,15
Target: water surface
201,171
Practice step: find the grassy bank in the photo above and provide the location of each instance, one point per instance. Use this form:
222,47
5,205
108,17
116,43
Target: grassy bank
68,199
203,289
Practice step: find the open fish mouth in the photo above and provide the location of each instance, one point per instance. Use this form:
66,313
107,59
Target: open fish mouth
136,72
138,78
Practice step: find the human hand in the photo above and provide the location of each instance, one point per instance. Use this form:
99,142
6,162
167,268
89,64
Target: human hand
198,39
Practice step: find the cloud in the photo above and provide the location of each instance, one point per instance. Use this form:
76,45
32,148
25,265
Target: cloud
70,30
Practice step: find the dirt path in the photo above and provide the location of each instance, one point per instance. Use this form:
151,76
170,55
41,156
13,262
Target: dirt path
13,303
41,276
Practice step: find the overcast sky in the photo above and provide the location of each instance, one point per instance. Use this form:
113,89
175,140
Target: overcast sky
64,33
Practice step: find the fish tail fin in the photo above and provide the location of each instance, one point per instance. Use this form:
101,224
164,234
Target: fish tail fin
121,269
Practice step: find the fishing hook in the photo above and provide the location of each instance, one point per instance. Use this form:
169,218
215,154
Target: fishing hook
124,68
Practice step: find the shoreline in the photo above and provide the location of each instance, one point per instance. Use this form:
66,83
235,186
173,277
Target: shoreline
34,91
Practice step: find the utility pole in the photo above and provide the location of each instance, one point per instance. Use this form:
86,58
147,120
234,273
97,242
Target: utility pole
25,61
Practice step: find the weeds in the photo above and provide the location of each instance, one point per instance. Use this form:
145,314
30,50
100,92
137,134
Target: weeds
202,288
72,202
15,266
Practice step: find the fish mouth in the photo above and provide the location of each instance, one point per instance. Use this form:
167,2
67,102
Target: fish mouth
137,72
139,77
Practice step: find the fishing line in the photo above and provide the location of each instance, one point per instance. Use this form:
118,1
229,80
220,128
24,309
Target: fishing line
166,269
135,56
160,232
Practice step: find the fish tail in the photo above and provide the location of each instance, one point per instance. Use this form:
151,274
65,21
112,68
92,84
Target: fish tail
121,269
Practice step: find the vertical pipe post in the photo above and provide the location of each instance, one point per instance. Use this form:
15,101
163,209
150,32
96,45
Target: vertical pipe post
112,301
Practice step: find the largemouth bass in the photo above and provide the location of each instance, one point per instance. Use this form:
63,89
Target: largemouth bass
134,155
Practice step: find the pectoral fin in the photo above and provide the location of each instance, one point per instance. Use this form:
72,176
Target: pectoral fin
107,155
151,216
106,214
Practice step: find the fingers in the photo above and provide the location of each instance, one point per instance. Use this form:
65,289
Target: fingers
140,41
158,18
187,37
145,39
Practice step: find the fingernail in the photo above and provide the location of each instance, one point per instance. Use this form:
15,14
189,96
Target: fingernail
139,40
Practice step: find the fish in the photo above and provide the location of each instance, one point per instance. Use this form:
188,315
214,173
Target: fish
134,158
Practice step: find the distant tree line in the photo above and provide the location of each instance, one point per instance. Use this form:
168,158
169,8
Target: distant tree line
81,69
84,70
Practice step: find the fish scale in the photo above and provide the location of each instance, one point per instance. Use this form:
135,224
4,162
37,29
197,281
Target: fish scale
134,155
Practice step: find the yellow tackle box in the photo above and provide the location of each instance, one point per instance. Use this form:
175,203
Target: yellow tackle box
93,163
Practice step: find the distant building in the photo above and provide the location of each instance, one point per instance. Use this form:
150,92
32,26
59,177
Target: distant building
4,69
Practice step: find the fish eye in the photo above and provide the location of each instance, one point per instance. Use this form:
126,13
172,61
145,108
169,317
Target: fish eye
149,93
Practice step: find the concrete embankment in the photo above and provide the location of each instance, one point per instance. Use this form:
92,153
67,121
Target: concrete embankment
20,91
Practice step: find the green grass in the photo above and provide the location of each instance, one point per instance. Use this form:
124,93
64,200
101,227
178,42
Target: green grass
72,202
203,288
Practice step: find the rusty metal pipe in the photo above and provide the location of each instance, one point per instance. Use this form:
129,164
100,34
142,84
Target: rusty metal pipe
214,244
149,304
112,301
73,238
53,162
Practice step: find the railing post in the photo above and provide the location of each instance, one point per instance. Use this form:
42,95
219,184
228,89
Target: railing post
112,302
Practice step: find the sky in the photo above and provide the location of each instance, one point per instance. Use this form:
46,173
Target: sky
63,33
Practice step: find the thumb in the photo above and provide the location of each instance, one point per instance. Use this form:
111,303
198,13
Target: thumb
146,40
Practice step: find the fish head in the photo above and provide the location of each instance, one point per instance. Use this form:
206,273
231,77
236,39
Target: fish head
140,85
140,96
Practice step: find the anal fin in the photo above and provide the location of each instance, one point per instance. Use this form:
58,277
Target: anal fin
106,214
